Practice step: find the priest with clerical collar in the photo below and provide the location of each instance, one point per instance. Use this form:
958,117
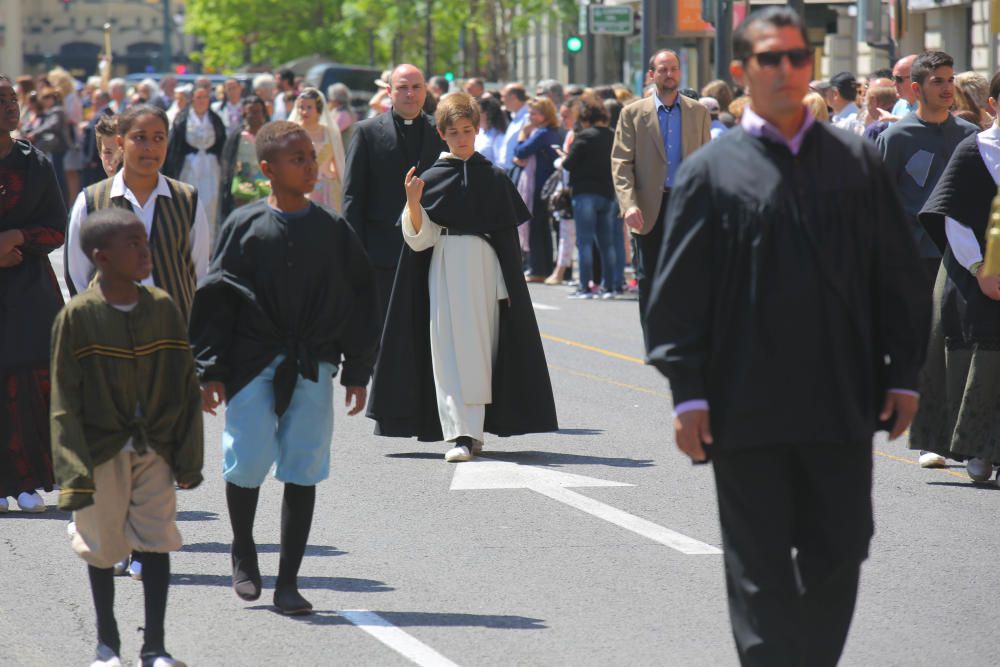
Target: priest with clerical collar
382,150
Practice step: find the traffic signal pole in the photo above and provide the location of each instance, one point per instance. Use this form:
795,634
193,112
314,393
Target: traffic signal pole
724,40
166,52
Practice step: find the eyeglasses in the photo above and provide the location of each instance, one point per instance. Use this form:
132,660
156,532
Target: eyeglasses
796,57
898,79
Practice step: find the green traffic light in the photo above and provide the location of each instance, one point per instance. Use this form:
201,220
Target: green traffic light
574,44
449,76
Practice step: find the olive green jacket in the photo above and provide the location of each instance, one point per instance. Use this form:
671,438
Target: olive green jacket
118,376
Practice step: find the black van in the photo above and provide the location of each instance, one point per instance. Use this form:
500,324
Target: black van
358,78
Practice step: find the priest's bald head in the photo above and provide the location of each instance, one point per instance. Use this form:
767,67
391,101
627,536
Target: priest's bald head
407,90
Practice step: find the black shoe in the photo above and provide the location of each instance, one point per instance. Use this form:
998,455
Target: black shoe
290,602
246,574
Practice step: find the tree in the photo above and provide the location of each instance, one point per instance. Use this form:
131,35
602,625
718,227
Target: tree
244,33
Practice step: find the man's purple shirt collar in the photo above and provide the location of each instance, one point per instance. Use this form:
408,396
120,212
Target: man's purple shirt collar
758,127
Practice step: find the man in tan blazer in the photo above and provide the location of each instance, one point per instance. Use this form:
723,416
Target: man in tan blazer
653,136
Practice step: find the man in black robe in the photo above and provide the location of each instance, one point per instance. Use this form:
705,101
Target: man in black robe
382,150
780,295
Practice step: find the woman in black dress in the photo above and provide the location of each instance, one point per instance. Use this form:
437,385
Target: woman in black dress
32,224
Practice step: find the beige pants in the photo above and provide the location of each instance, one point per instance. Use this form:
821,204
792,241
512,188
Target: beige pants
135,509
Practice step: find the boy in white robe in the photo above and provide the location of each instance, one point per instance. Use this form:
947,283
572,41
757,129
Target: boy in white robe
466,219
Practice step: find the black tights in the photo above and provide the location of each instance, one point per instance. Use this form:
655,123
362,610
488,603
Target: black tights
296,520
155,583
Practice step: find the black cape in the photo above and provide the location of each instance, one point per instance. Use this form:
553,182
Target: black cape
472,197
964,193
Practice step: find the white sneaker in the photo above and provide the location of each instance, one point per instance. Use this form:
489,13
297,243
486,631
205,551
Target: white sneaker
30,502
121,567
161,661
3,505
106,657
457,454
979,470
135,570
932,460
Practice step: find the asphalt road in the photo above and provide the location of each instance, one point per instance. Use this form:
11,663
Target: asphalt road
517,576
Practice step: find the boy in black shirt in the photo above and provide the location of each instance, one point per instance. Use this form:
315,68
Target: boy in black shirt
288,300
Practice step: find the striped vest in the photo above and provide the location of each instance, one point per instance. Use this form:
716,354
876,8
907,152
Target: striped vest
169,238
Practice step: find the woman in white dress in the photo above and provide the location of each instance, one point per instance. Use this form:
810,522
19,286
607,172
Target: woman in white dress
196,142
313,114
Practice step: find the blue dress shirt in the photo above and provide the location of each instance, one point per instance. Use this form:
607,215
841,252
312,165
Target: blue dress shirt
670,130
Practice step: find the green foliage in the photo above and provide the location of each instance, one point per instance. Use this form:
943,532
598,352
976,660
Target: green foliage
243,33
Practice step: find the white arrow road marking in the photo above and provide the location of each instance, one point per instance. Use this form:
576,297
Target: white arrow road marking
542,306
487,474
406,645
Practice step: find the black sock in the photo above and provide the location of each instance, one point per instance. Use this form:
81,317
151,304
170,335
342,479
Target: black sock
155,582
242,504
102,588
296,520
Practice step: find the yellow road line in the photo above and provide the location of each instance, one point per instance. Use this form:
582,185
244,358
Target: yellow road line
599,350
605,380
636,360
915,463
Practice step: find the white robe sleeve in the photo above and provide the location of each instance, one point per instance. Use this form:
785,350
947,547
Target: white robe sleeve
81,269
429,232
963,242
201,243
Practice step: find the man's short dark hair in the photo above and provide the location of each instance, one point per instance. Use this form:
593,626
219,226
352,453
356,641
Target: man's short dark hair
518,91
439,82
927,62
274,136
884,73
778,17
845,84
652,58
98,228
286,75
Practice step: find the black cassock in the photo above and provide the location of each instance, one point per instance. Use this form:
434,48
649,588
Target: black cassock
960,383
964,194
783,285
470,197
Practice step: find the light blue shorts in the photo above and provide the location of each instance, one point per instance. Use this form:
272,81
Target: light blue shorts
297,443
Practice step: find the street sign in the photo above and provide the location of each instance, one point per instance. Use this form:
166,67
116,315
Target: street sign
610,20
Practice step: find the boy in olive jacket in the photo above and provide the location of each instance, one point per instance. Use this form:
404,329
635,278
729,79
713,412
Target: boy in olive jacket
126,423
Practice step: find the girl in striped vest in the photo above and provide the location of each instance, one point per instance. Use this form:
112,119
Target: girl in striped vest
175,221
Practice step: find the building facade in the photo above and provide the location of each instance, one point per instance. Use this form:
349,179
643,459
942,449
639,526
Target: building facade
36,35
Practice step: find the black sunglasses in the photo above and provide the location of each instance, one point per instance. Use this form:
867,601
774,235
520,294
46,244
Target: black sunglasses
898,79
796,57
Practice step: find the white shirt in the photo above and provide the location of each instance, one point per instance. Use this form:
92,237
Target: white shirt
847,119
81,269
506,156
279,112
961,239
